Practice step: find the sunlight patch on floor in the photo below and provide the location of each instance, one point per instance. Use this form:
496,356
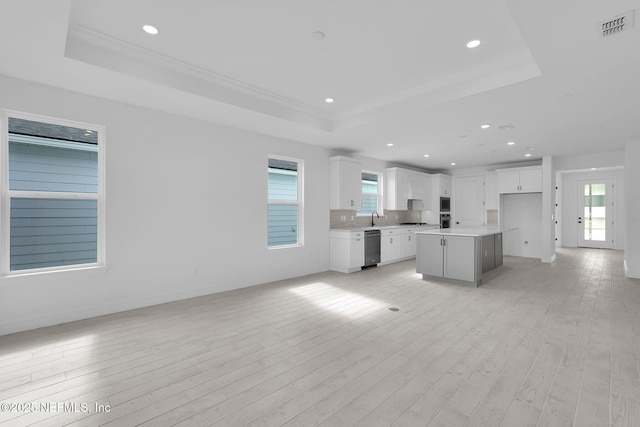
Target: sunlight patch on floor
337,300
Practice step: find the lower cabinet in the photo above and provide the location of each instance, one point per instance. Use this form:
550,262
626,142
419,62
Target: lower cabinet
391,245
411,243
397,244
347,250
347,247
451,257
491,247
460,257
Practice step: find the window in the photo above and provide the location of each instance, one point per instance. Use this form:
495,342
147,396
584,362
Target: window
52,186
284,216
370,194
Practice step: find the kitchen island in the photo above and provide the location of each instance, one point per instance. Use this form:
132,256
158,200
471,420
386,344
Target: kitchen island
458,254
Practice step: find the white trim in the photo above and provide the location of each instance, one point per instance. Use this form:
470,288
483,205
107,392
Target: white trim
7,195
91,39
54,143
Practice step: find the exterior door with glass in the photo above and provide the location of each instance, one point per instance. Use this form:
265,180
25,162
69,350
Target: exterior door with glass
595,213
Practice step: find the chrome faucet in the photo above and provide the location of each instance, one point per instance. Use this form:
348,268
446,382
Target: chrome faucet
372,213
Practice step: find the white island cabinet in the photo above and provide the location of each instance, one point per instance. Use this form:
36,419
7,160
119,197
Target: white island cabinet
460,255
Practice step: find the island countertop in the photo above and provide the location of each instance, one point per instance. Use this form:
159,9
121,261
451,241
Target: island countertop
466,231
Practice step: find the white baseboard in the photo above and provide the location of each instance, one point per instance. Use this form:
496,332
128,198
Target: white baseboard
80,313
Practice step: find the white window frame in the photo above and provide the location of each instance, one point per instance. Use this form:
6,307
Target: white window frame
6,195
299,202
380,207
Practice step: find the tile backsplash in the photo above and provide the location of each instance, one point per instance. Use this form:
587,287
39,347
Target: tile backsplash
389,218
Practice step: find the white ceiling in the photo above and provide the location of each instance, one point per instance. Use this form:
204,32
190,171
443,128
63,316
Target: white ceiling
399,71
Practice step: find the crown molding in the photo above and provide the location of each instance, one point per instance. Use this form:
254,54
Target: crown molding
82,39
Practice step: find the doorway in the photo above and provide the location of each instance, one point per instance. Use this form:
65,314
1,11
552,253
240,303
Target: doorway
595,213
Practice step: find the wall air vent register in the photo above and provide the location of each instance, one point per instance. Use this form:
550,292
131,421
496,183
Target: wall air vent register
619,24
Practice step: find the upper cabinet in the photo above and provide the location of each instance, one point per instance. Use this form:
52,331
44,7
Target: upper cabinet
491,195
345,183
441,185
402,185
520,180
396,189
419,186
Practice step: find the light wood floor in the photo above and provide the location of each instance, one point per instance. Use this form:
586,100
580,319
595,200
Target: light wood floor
536,344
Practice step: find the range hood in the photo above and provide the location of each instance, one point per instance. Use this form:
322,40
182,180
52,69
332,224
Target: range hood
415,204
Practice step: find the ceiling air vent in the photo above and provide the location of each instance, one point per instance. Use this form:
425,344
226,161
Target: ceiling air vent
505,127
617,25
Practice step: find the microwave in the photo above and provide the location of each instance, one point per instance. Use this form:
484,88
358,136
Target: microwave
445,204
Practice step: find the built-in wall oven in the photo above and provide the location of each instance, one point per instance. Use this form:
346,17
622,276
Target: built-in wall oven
445,220
445,204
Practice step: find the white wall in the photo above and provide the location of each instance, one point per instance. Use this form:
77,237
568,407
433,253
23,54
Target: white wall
587,161
185,212
632,177
522,211
568,205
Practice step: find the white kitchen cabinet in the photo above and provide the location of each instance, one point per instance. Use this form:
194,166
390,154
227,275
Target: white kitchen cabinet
520,180
345,186
396,189
440,187
410,243
443,184
346,250
451,257
491,195
391,245
397,244
419,187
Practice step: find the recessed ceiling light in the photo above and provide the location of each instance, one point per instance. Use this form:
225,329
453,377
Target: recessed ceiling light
328,100
426,155
510,143
150,29
528,155
485,126
593,169
453,163
473,43
389,144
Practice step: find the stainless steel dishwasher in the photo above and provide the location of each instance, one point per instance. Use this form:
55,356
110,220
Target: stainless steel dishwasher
371,247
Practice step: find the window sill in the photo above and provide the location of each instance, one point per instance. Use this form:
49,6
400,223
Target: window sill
96,270
275,248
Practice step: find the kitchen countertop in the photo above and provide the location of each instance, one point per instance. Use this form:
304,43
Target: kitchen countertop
467,231
385,227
